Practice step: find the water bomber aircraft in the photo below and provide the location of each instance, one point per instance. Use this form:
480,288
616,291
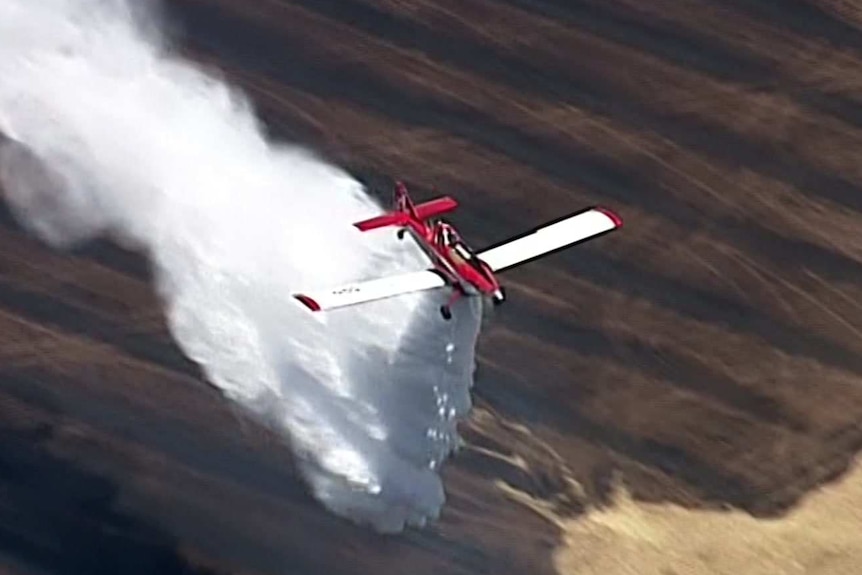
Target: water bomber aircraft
454,264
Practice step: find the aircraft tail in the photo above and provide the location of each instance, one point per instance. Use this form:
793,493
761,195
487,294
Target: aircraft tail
406,210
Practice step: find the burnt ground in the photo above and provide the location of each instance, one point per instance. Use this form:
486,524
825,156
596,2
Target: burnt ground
708,355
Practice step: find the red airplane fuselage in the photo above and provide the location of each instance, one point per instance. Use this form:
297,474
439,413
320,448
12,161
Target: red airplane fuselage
451,256
454,258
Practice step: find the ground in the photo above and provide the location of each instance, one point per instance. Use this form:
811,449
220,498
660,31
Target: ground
682,396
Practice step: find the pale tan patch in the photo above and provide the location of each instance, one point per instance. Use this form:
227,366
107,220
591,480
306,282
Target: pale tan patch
823,536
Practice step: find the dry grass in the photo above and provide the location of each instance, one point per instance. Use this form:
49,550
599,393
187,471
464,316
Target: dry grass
820,537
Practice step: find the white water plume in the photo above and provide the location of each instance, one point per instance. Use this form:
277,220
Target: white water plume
111,134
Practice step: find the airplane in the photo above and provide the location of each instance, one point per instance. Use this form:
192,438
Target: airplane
455,264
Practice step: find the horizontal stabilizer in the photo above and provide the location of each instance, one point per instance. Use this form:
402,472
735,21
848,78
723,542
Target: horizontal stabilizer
424,211
361,292
551,237
435,207
393,219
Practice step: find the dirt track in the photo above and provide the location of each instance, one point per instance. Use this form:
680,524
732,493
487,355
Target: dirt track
709,354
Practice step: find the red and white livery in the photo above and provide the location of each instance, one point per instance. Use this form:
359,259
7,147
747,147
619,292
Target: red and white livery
454,264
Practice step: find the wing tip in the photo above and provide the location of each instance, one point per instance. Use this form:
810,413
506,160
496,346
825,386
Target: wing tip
308,302
611,215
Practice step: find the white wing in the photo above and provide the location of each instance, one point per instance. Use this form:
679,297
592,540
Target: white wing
551,237
365,291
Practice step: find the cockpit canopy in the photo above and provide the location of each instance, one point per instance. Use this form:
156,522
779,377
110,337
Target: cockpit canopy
463,250
446,234
449,238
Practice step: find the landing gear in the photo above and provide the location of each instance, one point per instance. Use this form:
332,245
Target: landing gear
446,312
400,233
499,297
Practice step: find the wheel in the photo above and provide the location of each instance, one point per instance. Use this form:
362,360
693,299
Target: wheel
445,312
502,297
400,234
